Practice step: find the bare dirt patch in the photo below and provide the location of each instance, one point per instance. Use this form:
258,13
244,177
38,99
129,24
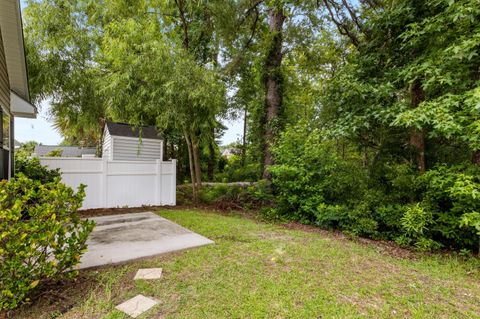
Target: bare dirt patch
115,211
57,298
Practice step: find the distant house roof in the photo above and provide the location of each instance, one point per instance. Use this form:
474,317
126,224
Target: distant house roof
127,130
229,152
67,151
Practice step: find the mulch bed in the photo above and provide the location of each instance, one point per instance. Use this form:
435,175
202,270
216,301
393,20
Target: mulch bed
59,297
116,211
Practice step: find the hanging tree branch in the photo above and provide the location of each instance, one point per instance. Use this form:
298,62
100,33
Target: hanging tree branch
349,26
181,8
353,15
253,30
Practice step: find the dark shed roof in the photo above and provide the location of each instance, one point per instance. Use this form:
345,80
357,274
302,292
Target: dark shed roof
127,130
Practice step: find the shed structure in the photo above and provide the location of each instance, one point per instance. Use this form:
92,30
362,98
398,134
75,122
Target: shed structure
124,142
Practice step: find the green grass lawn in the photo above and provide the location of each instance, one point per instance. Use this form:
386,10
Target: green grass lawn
258,270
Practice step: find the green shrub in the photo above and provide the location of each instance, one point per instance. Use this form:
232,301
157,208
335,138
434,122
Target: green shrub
451,194
472,221
331,216
42,236
416,223
55,153
315,181
33,169
311,182
233,171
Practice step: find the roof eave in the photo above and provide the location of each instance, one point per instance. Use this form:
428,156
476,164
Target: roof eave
20,107
13,42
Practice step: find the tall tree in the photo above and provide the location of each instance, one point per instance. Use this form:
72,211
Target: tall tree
273,81
61,50
155,75
87,56
274,32
410,80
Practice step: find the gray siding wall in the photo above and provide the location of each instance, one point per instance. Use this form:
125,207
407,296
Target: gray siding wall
4,83
6,156
132,149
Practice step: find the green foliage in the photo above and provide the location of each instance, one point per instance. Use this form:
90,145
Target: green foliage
449,194
62,47
26,149
42,236
55,153
234,171
310,174
33,169
415,69
471,220
316,182
415,223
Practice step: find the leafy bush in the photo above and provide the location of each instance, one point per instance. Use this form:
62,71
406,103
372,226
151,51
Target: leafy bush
314,183
33,169
415,223
42,236
311,182
55,153
233,171
451,195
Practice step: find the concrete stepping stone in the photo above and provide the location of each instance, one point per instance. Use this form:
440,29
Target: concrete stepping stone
148,273
136,306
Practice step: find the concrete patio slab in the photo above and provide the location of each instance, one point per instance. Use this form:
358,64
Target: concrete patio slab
148,273
136,306
120,238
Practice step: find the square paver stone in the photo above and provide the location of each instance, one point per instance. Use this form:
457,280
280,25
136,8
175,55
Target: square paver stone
148,273
136,306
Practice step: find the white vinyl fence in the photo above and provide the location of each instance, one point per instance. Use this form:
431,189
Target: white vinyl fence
118,183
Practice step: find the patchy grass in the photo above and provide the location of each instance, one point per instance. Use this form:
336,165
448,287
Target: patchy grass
258,270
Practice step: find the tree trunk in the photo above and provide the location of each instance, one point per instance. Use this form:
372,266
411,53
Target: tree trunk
172,149
273,83
99,148
366,159
211,161
417,137
165,149
196,163
192,167
476,158
244,138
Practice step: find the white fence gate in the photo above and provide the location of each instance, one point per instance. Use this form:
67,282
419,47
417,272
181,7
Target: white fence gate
118,183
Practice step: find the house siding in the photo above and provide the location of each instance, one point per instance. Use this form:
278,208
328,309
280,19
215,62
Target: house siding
4,83
134,149
6,155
